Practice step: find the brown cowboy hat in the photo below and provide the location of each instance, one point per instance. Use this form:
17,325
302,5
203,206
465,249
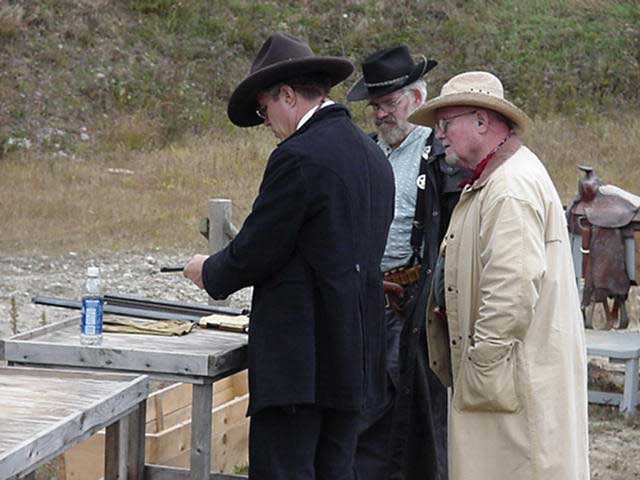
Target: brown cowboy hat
473,89
387,71
281,57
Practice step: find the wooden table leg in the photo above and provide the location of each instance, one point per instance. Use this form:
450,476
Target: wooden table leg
115,451
630,394
201,431
135,449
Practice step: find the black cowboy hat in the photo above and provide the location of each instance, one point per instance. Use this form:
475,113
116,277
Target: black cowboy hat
386,71
281,57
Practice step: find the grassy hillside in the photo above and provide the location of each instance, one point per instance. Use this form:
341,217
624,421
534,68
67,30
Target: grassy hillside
113,128
143,72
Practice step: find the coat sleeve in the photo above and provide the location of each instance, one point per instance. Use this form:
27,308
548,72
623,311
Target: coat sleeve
268,236
513,262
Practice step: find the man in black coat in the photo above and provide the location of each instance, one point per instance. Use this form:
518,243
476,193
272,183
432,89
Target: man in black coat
407,438
311,247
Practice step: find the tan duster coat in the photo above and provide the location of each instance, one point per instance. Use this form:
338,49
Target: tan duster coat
512,344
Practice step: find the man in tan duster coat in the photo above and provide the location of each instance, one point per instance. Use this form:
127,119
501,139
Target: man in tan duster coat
511,342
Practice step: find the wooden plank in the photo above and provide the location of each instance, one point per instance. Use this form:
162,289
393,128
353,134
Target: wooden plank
83,462
115,451
240,382
201,432
231,448
105,357
195,380
174,443
604,398
41,416
158,472
171,447
136,443
52,327
630,393
172,405
613,344
201,353
71,374
162,404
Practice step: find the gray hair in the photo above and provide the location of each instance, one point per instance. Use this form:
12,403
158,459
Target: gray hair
419,85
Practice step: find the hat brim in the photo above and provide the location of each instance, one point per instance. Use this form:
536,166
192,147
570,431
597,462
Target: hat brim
242,104
426,115
359,90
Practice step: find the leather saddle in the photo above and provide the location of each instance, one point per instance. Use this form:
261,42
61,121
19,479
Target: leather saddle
603,221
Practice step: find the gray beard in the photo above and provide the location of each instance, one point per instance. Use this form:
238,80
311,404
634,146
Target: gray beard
396,135
452,159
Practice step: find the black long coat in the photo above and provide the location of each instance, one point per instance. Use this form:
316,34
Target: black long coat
311,247
418,441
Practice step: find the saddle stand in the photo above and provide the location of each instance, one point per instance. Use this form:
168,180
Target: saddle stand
603,221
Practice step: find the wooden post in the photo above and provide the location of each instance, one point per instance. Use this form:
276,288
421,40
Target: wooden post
221,231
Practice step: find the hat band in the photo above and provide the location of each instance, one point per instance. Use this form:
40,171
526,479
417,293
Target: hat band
386,82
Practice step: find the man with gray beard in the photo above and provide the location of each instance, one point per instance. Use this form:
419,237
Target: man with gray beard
407,438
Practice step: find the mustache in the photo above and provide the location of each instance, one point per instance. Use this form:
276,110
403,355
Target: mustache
384,121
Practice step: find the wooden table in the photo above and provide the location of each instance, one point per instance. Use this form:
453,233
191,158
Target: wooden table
618,347
44,412
199,358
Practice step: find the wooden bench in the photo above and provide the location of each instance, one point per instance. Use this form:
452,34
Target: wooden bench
618,347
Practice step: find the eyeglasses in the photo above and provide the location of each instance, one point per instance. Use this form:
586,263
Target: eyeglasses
390,106
443,123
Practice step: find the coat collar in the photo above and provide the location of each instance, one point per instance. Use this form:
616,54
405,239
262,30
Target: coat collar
334,110
505,152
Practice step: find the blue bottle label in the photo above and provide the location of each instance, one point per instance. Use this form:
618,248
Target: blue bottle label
92,316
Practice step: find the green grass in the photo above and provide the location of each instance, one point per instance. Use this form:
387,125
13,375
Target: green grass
71,64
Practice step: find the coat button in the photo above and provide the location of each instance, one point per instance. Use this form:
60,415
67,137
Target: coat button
435,213
453,342
428,271
451,236
449,289
415,329
357,267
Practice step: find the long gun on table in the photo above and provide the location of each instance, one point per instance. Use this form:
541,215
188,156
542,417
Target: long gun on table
138,307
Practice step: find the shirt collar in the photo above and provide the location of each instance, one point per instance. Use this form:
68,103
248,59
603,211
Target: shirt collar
305,118
505,152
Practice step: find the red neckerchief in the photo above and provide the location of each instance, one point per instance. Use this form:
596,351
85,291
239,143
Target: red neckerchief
482,165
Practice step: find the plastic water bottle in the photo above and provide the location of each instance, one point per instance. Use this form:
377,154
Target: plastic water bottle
92,307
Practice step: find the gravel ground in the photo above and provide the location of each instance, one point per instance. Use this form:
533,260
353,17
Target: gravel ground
130,273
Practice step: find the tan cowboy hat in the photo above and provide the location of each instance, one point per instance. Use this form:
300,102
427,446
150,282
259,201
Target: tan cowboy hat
474,89
281,57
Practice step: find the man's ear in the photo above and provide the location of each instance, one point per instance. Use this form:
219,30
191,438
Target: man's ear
482,120
417,97
289,95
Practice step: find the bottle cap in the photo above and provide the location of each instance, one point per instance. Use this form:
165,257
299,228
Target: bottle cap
93,272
